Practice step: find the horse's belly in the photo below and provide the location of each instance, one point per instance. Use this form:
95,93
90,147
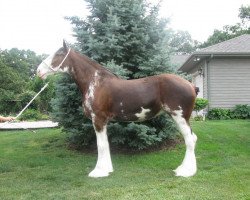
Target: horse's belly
140,114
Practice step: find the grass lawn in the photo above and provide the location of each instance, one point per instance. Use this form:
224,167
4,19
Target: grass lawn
39,166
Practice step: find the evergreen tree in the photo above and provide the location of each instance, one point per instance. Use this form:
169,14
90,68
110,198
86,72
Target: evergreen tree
127,33
127,37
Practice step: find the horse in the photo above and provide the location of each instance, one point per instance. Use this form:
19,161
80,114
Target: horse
107,97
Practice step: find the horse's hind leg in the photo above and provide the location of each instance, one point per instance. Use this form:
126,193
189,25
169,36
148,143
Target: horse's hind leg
188,166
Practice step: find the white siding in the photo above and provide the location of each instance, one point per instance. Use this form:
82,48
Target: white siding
228,82
198,82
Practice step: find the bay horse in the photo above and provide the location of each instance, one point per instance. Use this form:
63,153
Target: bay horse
107,97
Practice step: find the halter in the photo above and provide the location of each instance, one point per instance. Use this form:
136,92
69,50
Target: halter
55,69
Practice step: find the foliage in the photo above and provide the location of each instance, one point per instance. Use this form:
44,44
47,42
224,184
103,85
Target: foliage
24,62
128,33
231,31
238,112
244,13
129,39
182,42
138,136
198,118
241,112
17,70
11,85
45,97
25,97
219,113
31,114
200,104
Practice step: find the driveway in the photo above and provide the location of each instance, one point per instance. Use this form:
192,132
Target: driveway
28,125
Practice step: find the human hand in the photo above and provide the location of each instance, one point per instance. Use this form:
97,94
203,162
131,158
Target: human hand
7,119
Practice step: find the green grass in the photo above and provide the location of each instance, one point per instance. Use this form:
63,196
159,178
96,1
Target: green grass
39,166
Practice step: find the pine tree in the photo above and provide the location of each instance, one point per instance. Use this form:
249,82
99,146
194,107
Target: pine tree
127,37
127,33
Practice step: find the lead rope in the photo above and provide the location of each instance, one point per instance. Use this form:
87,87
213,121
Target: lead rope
21,112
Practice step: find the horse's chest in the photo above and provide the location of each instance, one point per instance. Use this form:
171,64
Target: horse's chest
89,97
88,105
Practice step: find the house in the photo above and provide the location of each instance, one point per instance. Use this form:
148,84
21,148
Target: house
178,60
222,72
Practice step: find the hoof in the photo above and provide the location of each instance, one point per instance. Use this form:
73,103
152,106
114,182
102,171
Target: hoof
98,173
184,172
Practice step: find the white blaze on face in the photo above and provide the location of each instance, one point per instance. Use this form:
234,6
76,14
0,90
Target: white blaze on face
142,115
44,69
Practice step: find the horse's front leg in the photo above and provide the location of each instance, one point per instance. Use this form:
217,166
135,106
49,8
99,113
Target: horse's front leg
104,164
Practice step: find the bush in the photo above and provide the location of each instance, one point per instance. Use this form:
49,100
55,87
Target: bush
200,104
43,100
238,112
138,136
25,97
219,113
198,118
241,112
31,114
7,105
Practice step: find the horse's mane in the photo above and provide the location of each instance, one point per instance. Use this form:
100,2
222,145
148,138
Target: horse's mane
98,66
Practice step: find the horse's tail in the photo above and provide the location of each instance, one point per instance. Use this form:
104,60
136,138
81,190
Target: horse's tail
197,90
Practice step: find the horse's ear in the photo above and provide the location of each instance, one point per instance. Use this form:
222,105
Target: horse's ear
65,46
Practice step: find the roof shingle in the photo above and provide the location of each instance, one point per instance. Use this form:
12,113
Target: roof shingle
239,44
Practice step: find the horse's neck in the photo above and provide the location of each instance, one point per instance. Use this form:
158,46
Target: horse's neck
84,71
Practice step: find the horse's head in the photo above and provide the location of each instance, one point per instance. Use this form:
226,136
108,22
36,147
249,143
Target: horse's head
54,63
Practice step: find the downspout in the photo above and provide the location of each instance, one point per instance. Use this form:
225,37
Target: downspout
208,77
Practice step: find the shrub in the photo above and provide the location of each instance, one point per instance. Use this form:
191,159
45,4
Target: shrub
31,114
238,112
138,136
198,118
25,98
219,113
241,112
200,104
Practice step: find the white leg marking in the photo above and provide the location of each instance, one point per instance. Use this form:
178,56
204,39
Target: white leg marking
188,166
104,164
142,115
